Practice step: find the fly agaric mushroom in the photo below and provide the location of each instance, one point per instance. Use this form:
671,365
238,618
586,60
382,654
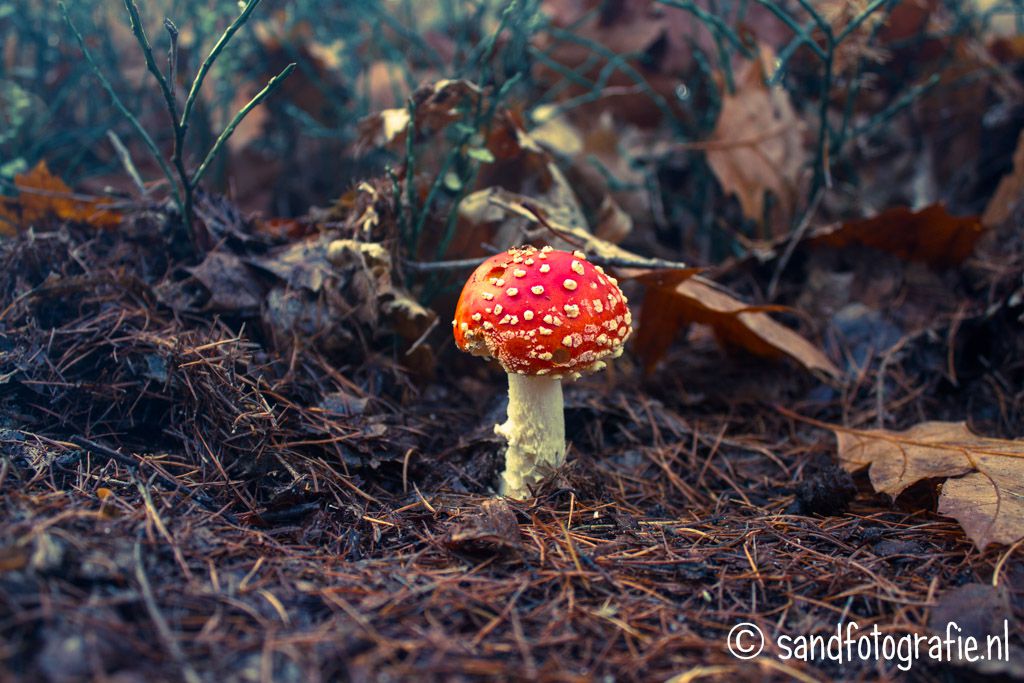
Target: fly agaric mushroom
545,315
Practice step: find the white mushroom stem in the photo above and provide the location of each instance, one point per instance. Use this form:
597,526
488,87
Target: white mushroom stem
535,431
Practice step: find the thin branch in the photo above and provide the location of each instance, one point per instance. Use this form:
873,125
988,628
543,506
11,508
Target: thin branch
435,266
614,262
177,153
621,62
802,34
713,22
794,239
172,54
896,107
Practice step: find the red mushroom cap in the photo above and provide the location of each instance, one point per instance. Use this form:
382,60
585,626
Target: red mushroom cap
542,311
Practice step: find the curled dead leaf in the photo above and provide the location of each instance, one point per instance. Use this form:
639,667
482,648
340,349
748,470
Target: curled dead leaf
983,488
492,530
671,305
560,224
229,281
505,210
613,224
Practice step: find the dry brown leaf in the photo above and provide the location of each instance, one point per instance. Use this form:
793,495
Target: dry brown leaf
231,283
386,84
656,331
555,132
735,323
907,19
984,488
1009,192
599,157
898,23
435,105
1007,49
559,223
931,235
550,193
979,610
492,530
605,170
43,195
757,146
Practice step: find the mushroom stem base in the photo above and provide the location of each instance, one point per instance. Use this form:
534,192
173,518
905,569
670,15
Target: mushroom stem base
535,431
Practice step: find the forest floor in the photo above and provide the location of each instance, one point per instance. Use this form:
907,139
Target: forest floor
241,448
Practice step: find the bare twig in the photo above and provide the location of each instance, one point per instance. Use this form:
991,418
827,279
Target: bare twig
470,263
126,161
795,237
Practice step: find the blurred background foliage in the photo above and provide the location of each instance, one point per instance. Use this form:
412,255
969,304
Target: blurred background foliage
634,88
351,61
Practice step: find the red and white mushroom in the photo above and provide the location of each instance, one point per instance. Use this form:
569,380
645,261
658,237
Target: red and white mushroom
545,315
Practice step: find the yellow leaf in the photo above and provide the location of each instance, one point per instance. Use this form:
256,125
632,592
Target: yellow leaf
42,195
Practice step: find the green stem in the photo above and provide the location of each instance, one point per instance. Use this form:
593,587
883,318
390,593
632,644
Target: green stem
211,58
146,139
172,105
412,239
860,19
147,50
802,34
271,86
